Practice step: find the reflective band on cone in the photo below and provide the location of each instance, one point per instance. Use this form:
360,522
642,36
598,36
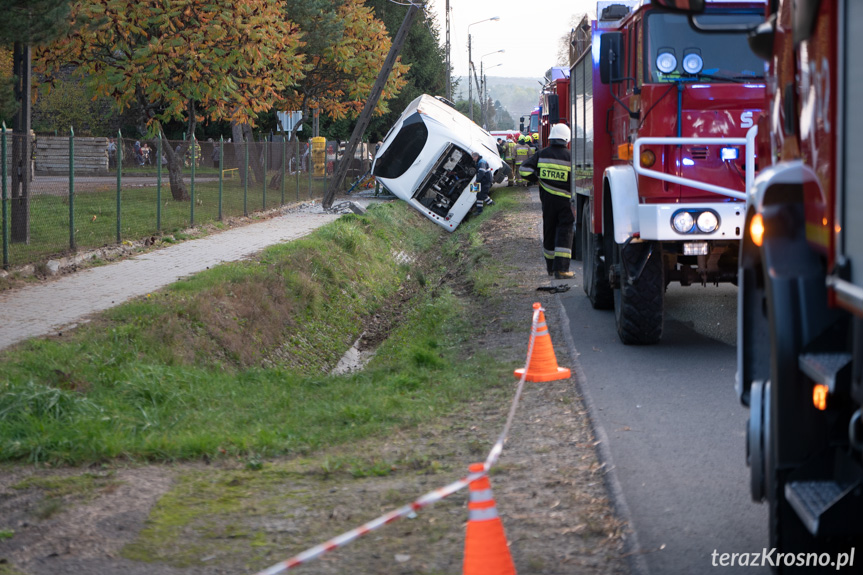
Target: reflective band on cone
542,363
485,549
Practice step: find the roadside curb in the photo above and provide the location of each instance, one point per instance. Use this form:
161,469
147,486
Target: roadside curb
632,547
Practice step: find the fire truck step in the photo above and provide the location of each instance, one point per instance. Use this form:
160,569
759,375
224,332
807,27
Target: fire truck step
813,499
831,369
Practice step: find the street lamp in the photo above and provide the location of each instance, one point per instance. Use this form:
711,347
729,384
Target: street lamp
470,62
480,89
484,105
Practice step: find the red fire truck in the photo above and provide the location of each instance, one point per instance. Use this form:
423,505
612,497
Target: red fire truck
800,303
662,104
554,101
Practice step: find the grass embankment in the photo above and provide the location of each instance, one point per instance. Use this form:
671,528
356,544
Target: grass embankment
233,362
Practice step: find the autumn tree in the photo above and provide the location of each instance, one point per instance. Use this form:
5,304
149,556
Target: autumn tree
182,60
344,48
8,105
422,52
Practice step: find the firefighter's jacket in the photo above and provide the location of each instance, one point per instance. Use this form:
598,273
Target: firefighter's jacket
551,166
510,151
522,153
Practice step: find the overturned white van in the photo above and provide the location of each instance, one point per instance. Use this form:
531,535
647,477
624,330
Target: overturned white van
425,160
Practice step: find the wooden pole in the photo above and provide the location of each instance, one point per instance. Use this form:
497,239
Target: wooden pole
366,115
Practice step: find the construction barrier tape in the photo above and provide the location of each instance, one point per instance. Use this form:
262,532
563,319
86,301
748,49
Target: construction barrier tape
427,499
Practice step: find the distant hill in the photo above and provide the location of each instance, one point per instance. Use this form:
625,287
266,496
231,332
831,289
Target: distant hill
519,96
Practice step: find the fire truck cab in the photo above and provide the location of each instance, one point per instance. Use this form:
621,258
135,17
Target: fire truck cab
800,299
662,110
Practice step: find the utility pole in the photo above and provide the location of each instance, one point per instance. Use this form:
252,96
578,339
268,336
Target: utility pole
469,79
366,115
448,60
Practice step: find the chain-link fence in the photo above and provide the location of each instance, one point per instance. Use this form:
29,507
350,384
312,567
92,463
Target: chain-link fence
76,193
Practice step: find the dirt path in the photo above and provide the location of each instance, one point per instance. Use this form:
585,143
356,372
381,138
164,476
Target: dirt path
549,486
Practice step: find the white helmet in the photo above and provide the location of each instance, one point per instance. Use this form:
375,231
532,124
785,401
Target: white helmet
559,132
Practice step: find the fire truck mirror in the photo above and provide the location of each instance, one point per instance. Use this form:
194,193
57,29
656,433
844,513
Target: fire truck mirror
521,124
761,39
610,57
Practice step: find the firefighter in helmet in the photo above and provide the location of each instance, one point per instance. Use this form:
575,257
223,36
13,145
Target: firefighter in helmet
510,159
535,138
522,153
551,167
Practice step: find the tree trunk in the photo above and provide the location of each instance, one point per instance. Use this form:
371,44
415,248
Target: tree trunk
21,148
238,133
175,170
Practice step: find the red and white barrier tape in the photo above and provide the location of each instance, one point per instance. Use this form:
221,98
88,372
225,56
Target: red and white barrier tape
425,500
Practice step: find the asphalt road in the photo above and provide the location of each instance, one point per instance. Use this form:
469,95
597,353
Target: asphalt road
674,431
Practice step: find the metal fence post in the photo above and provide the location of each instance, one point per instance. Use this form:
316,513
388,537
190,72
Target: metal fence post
311,168
194,159
4,199
265,174
221,172
297,164
159,184
246,182
119,178
284,168
72,188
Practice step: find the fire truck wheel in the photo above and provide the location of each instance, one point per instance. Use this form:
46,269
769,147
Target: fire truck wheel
595,278
757,435
638,306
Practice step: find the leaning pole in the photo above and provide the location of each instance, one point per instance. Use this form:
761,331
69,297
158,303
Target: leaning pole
366,115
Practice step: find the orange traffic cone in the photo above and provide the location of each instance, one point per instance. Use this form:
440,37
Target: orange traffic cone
485,548
542,363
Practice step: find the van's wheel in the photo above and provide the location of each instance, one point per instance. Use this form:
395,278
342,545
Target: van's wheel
595,278
638,306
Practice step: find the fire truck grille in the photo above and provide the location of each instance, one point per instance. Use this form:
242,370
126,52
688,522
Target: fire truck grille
698,152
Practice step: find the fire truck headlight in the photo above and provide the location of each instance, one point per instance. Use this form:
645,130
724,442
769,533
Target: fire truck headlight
692,63
707,222
728,154
666,62
682,222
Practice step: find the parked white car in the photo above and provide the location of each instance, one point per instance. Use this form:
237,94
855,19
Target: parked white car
425,160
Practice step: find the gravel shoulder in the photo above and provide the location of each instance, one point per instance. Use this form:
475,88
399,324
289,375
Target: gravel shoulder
549,485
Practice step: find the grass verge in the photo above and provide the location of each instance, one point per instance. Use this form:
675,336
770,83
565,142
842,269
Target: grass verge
233,362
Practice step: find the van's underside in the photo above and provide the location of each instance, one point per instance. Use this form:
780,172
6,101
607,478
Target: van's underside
445,183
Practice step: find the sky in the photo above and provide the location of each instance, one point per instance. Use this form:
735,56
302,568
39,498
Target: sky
528,30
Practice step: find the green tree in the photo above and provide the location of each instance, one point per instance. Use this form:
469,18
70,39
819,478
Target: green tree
344,47
181,60
71,104
464,107
422,52
25,22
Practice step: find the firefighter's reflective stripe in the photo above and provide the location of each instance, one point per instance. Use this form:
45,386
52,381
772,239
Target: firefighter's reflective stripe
562,252
554,176
510,150
549,255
